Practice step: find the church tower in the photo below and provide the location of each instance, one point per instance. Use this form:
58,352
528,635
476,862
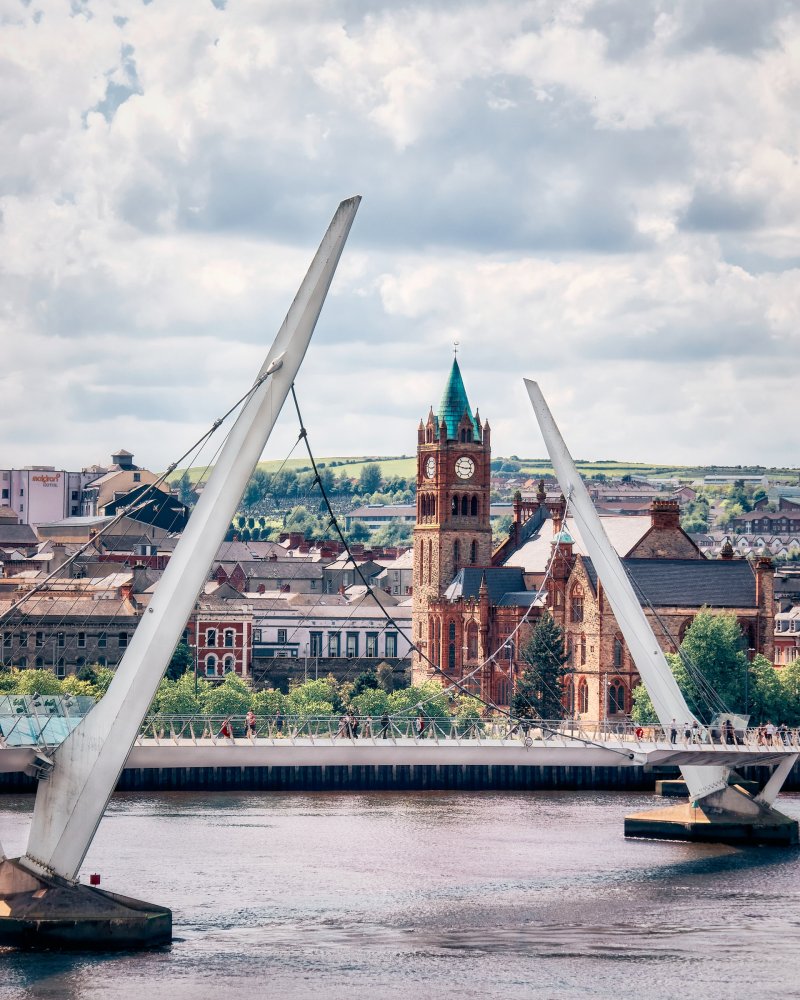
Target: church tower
452,528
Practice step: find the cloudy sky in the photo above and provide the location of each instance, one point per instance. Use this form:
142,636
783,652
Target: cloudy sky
603,196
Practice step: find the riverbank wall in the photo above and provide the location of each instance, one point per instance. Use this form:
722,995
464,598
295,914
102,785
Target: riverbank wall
356,778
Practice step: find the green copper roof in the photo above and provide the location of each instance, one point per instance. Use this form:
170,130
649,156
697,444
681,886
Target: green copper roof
454,403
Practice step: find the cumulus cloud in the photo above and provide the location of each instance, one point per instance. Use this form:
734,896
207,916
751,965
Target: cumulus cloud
603,195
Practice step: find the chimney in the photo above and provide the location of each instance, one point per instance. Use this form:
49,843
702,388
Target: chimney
666,515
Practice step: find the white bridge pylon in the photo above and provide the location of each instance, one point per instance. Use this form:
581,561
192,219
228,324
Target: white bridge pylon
88,763
667,698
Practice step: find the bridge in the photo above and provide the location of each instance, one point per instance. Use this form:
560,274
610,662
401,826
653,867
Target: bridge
195,741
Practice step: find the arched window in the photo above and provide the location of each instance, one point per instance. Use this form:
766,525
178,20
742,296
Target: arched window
619,652
211,665
569,649
583,649
464,504
473,552
22,663
451,632
576,604
211,637
451,656
229,638
229,664
437,642
616,698
473,508
456,553
80,662
472,641
569,697
429,435
684,629
583,697
454,508
39,661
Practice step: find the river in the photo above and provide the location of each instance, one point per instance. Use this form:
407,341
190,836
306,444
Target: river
424,895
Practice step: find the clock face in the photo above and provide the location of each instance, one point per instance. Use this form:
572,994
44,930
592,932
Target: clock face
430,467
465,467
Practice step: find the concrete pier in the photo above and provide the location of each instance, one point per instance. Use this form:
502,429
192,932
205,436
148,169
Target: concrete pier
50,912
697,823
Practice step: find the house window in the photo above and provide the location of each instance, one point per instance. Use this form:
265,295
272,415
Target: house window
22,662
101,661
5,495
616,698
352,644
211,665
229,638
39,661
81,640
256,635
123,640
576,607
281,635
80,662
391,644
61,668
102,640
316,643
334,643
61,639
137,477
211,637
229,664
40,638
23,640
372,644
7,640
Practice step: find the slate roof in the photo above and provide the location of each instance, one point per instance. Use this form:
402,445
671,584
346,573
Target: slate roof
691,583
624,532
500,580
454,404
525,599
17,534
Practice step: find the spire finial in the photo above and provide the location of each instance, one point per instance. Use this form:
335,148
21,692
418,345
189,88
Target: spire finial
455,348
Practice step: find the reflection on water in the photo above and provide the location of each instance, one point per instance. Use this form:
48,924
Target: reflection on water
424,894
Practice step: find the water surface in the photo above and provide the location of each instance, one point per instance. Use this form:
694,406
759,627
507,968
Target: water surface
424,895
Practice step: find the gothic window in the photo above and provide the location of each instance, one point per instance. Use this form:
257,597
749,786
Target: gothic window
456,553
583,650
454,509
569,649
429,435
619,651
583,697
576,605
473,552
616,698
474,506
472,641
451,656
464,504
430,560
451,632
437,641
569,697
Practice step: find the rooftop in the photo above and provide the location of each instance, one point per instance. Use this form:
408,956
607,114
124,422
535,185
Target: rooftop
454,404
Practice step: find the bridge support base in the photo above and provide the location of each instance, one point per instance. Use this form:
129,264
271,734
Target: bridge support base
50,912
731,816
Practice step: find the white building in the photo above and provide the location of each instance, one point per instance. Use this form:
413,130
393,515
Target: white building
40,494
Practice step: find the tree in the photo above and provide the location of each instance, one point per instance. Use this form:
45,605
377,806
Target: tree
36,682
394,533
182,660
186,490
539,689
370,478
358,532
256,489
367,680
385,674
231,697
713,648
501,527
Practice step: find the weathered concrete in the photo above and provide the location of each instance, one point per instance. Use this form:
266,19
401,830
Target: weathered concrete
38,911
675,788
702,823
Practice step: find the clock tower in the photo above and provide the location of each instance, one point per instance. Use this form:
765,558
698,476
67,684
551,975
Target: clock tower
452,529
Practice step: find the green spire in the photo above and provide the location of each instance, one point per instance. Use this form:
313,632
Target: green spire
455,404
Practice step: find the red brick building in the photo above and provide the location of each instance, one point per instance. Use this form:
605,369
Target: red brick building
220,634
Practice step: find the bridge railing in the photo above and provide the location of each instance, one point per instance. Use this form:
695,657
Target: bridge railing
561,732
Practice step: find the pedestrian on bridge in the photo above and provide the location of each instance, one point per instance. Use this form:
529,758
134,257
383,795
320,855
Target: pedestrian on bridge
673,732
421,724
250,719
225,730
384,725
